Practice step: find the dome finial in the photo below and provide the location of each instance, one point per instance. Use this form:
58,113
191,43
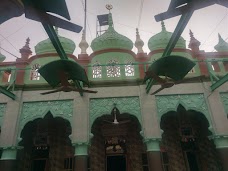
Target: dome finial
163,26
139,43
83,44
110,21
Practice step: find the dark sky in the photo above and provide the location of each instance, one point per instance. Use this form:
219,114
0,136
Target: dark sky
205,24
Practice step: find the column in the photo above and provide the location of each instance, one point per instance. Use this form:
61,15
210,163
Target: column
153,154
8,160
81,156
221,143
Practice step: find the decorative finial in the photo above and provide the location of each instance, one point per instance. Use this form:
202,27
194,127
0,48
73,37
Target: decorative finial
194,43
83,44
138,42
109,7
25,50
163,26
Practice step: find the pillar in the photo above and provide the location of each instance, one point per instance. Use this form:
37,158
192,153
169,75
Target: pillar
154,154
8,160
81,157
221,143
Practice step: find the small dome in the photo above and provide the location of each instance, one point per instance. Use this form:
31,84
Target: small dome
222,45
46,46
2,57
160,40
111,39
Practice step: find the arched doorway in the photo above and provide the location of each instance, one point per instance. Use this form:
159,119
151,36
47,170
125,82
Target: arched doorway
46,145
117,143
185,145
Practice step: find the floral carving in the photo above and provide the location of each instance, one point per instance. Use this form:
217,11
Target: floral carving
104,106
34,110
195,102
224,97
2,112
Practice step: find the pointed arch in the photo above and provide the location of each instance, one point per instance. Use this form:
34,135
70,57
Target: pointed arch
35,110
196,102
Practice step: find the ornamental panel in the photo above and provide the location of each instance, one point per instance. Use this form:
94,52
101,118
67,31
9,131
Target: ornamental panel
195,102
104,106
2,112
35,110
224,97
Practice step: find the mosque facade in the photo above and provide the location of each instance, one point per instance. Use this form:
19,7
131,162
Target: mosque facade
182,128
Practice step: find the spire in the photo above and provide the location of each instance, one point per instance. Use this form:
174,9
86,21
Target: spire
110,21
139,43
163,26
25,50
222,45
194,43
83,44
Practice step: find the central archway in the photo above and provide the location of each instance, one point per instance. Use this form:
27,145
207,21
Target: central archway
116,146
46,145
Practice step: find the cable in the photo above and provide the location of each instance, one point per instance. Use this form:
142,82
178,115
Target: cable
215,28
9,42
140,13
9,53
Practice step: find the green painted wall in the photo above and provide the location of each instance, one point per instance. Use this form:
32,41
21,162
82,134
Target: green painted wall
2,112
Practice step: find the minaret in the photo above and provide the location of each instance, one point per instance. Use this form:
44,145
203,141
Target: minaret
222,45
139,43
83,44
25,50
194,43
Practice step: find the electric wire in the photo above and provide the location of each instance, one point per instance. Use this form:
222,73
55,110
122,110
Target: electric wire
9,42
9,53
140,13
215,28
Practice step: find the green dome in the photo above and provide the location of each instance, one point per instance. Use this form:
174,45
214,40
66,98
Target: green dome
2,57
111,39
222,45
160,40
46,46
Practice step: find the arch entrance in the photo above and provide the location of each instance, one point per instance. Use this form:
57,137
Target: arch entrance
185,144
117,143
46,145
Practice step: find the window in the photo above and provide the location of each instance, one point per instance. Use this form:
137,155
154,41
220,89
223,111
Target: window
6,76
97,70
35,75
145,162
129,69
113,69
68,164
165,161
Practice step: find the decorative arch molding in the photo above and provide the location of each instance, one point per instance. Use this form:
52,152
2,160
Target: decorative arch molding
104,106
224,97
166,103
35,110
2,112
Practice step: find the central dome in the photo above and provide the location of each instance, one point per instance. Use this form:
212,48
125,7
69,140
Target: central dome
111,39
160,40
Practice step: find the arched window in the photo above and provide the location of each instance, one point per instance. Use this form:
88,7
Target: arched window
113,69
129,70
97,72
35,75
